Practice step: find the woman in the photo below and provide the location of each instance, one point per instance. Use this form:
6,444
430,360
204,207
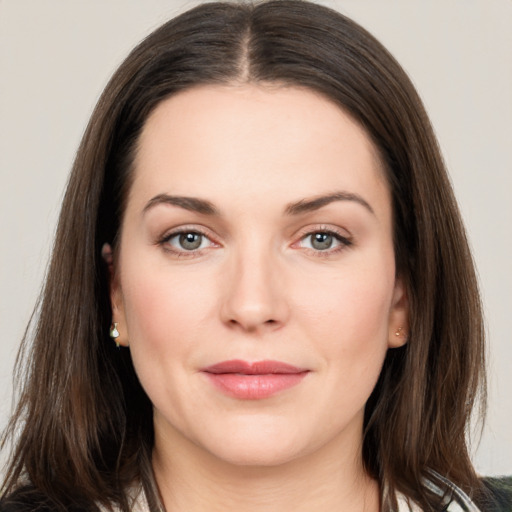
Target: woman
261,296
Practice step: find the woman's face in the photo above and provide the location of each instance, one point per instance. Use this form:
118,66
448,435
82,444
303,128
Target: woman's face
255,282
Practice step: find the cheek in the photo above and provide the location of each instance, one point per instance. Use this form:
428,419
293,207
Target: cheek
164,314
347,325
165,303
350,306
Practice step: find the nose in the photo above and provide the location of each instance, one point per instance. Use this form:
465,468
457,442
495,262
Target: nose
254,293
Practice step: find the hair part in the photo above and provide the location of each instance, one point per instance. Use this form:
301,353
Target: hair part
84,421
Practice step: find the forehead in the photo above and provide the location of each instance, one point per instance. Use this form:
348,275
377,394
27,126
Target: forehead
236,141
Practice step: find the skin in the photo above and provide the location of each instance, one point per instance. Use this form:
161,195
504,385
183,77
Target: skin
258,288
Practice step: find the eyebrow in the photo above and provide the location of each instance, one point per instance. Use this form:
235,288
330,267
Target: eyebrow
205,207
192,204
315,203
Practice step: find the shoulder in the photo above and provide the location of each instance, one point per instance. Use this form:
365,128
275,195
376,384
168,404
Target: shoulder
27,499
24,499
497,495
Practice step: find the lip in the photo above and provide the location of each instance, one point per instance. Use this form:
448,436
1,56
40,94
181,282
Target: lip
253,381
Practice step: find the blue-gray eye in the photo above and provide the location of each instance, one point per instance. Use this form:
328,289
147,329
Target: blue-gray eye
190,241
321,241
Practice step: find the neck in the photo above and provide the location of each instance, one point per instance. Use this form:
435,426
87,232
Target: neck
330,480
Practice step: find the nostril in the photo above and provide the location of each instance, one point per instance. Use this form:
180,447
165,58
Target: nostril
252,325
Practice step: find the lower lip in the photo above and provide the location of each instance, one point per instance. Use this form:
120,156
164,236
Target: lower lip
254,387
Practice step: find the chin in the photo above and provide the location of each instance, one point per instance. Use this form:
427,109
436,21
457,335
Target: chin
260,446
257,456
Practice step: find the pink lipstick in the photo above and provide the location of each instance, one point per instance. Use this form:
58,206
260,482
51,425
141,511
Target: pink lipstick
253,381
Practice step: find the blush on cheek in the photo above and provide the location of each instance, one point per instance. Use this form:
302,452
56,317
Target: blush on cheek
161,308
363,305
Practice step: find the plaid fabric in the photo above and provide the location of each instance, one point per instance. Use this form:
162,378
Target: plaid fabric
498,497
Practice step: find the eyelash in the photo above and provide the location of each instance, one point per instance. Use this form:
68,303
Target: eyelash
344,242
183,253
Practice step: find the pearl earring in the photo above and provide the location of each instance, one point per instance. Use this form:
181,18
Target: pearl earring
399,333
114,333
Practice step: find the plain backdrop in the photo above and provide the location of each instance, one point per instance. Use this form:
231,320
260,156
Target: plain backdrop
57,55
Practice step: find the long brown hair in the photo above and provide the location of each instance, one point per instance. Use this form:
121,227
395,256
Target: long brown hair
83,424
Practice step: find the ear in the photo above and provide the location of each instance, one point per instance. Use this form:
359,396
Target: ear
398,325
116,296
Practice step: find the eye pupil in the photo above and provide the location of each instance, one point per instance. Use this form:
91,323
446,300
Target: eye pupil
321,241
190,241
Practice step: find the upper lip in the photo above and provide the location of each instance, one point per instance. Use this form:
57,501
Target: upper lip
254,368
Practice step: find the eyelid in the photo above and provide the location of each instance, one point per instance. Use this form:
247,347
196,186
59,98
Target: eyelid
341,235
343,238
193,228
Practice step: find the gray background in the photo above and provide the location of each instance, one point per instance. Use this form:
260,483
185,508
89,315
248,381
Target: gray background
56,56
